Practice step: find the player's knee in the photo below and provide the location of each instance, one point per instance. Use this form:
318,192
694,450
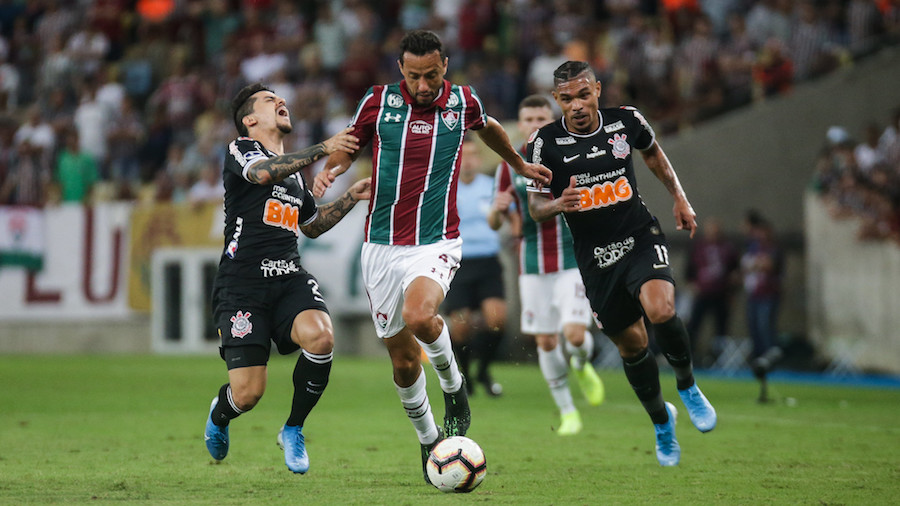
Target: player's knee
574,335
660,312
319,340
406,365
422,323
315,335
547,342
246,398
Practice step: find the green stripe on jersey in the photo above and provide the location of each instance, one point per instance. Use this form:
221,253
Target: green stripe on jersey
446,151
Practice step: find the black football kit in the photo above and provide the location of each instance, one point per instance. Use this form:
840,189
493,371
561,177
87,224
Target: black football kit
260,285
618,242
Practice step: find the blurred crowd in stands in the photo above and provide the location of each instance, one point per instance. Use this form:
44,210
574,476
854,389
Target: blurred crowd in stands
859,177
133,94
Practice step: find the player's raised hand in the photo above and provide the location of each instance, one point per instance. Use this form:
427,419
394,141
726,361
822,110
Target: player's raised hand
361,190
504,199
685,217
538,173
341,141
570,198
322,182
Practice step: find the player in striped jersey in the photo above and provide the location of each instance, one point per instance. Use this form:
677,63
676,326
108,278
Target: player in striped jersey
412,246
550,287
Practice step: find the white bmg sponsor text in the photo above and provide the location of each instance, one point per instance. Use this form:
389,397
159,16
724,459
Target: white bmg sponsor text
612,253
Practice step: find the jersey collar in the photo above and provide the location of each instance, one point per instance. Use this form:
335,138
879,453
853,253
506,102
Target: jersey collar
562,122
440,101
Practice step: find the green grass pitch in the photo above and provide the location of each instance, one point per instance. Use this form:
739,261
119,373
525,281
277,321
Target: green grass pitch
113,429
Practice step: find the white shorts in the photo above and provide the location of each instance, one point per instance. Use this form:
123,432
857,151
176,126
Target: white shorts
388,271
550,301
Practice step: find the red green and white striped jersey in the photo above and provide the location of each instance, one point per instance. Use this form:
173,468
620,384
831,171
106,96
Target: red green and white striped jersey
545,247
415,160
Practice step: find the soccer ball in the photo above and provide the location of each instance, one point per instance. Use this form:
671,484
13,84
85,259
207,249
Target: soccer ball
456,464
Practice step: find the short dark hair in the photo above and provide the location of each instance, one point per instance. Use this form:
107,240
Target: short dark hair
535,101
241,105
420,43
571,70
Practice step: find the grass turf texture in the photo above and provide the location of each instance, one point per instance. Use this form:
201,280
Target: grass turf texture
106,429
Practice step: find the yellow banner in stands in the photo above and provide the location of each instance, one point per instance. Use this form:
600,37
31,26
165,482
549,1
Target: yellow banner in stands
166,224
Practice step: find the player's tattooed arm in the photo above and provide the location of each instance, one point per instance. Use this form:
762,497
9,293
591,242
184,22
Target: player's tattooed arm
331,213
273,170
659,164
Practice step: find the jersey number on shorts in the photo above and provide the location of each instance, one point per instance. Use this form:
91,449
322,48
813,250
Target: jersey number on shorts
317,295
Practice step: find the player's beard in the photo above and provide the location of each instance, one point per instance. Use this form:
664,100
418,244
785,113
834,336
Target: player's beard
285,129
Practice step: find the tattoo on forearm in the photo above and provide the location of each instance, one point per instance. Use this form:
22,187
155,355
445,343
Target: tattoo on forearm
330,214
276,169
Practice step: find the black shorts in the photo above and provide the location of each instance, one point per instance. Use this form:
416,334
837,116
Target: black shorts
614,291
262,312
476,279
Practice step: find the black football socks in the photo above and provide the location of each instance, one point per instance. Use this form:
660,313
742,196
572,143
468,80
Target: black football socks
672,338
643,375
225,409
310,379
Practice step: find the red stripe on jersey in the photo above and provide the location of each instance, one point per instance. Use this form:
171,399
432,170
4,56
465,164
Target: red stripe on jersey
414,170
472,121
549,243
502,179
367,113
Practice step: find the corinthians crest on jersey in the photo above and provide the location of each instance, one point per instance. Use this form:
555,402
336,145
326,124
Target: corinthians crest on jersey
602,165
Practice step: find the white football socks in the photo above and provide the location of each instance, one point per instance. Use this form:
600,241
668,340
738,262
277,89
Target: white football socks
415,401
556,372
581,353
440,354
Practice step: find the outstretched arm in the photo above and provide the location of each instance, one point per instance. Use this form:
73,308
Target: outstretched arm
273,170
494,136
333,212
659,164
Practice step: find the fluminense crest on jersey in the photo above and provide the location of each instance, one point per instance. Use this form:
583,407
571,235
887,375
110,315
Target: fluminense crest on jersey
240,324
450,118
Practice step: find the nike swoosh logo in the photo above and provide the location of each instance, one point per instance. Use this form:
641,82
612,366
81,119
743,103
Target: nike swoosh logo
659,266
567,159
